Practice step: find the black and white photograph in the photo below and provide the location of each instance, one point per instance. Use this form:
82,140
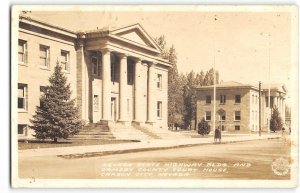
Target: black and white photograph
154,96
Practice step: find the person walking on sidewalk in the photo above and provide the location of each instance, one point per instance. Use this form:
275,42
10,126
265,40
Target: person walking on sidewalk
217,135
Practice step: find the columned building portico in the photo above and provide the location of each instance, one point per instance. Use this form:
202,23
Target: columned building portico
127,90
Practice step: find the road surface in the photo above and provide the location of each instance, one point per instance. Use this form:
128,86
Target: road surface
242,160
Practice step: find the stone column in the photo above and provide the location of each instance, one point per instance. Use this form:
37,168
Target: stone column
81,78
151,105
123,88
106,85
137,91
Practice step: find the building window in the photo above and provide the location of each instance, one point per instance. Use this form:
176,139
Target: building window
44,56
159,81
237,115
22,129
237,127
159,109
223,127
207,115
253,98
223,117
64,60
237,98
95,60
22,96
208,99
271,102
130,73
43,90
222,99
96,103
22,52
113,68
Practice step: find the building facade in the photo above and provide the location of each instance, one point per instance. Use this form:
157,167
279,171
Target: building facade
237,105
116,74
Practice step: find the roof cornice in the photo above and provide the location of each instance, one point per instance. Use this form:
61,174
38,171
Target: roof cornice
47,26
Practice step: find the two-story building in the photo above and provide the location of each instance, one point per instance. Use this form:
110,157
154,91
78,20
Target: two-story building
237,105
116,74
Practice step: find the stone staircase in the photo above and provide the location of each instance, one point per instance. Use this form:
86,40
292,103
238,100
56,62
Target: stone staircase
128,132
163,133
146,131
95,131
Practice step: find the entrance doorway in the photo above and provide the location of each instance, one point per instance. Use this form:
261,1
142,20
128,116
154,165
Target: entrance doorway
113,109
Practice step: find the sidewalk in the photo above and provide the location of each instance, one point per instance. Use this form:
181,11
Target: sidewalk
146,145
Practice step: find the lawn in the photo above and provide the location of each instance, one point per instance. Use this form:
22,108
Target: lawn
36,144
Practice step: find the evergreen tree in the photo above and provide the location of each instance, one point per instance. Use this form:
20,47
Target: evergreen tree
189,96
57,116
203,127
209,77
199,78
275,122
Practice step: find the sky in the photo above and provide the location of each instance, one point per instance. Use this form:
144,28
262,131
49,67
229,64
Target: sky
242,43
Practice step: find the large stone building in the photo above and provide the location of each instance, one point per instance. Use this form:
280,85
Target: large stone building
116,74
237,105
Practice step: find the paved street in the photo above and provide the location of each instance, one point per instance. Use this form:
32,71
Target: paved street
242,160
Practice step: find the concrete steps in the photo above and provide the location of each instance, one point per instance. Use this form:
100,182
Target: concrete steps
128,132
146,131
163,133
95,131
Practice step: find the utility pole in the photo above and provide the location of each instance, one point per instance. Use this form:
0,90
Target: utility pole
259,107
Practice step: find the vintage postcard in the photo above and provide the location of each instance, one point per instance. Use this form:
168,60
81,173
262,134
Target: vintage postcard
160,96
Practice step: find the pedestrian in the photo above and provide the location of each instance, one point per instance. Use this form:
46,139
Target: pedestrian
220,135
283,129
217,135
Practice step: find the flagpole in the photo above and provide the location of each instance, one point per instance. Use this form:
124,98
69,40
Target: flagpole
214,64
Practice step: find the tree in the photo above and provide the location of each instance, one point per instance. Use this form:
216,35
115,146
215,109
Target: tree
209,77
189,96
56,117
203,127
200,78
275,122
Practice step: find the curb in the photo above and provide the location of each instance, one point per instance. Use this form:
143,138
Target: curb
105,153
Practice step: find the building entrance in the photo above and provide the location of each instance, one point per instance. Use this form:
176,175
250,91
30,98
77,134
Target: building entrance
113,109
